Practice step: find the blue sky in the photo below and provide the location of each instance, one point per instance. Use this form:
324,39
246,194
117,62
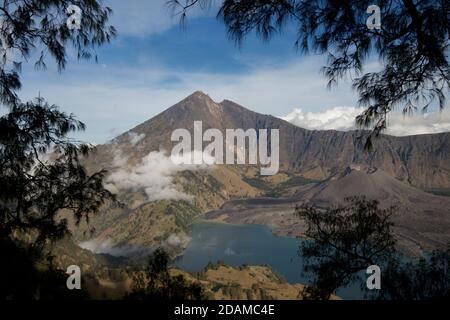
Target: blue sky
154,63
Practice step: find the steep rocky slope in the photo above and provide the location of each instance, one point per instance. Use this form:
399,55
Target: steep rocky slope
417,161
421,220
422,161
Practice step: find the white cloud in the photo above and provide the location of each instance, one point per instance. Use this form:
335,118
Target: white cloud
178,240
337,118
111,99
120,98
153,175
433,122
108,247
135,138
343,118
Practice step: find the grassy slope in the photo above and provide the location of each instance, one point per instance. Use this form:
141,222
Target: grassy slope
150,224
219,282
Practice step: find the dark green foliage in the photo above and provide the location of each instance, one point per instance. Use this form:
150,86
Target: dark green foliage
31,27
429,278
24,279
156,283
41,174
33,30
412,45
184,213
214,266
35,189
346,240
214,184
40,166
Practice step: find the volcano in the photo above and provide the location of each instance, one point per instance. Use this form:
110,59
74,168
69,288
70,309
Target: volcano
161,201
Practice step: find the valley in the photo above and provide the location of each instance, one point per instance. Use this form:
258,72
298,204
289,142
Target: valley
161,204
161,201
421,221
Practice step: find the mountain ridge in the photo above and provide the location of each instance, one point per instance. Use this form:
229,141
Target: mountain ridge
318,156
420,160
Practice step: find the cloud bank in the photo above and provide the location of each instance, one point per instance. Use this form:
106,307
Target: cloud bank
343,119
116,99
337,118
178,240
107,247
153,175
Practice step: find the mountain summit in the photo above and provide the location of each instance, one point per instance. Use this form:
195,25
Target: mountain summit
422,161
163,199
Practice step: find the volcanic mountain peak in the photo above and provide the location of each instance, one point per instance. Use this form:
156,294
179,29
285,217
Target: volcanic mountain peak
417,215
200,104
202,97
198,95
317,155
197,106
372,182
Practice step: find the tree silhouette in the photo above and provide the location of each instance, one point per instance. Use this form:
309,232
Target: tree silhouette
28,274
35,189
40,166
346,240
412,45
156,283
428,278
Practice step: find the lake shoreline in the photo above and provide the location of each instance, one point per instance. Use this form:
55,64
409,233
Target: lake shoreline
238,245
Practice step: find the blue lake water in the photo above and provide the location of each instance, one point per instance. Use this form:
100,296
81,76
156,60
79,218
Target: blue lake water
237,245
